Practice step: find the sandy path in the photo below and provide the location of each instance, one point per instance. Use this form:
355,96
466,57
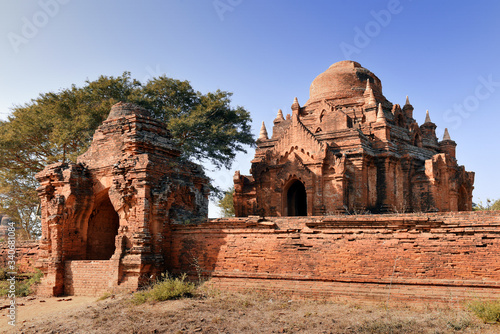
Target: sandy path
39,308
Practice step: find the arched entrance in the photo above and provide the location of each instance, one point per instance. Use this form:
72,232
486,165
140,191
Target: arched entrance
462,199
296,199
102,229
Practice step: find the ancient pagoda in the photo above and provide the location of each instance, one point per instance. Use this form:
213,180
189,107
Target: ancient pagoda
349,149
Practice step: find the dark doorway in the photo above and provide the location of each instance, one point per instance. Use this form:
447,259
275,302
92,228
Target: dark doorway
462,199
296,200
102,230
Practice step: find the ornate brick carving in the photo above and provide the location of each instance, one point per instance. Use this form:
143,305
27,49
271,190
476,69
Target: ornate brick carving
352,150
117,203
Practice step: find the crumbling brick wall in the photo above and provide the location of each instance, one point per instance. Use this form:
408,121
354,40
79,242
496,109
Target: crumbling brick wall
417,255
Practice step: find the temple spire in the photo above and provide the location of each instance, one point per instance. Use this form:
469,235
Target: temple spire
263,132
446,134
407,101
380,114
369,97
280,115
295,110
427,117
279,118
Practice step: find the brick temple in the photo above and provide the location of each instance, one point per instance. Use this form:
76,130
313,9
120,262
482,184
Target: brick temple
349,149
106,219
131,208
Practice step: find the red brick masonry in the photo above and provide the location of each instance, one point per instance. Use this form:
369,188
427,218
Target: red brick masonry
424,256
444,256
26,255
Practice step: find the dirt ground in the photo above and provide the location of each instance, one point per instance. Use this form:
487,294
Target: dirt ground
32,309
221,312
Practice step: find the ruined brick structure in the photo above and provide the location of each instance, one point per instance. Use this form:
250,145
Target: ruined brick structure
350,149
131,208
111,212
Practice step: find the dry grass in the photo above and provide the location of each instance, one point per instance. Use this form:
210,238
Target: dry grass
164,289
213,311
488,311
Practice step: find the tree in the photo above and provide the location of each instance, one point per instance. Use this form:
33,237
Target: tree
58,126
206,127
53,127
226,203
490,205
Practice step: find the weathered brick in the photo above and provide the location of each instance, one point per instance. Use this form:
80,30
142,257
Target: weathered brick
350,149
116,205
370,255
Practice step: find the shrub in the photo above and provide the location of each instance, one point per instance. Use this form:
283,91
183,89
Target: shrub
488,311
164,289
24,287
106,295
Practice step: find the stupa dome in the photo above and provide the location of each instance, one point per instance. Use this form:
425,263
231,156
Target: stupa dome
343,80
122,109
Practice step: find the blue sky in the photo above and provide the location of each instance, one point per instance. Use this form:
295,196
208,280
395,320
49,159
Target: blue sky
443,54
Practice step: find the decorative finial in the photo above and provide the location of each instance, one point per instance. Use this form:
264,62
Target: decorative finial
369,97
263,132
279,117
446,134
380,113
295,109
427,117
407,100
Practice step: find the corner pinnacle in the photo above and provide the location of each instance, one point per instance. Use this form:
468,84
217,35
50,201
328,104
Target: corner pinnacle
427,117
369,97
279,117
446,134
263,132
380,113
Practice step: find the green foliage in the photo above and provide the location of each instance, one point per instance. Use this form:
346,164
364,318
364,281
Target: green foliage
54,127
58,126
205,126
25,286
105,296
165,289
19,200
226,204
488,311
489,206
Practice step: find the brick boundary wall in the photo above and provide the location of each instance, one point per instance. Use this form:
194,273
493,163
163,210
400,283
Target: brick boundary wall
26,255
437,256
87,277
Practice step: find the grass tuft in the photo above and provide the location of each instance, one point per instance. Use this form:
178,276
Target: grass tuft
165,289
486,310
105,296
